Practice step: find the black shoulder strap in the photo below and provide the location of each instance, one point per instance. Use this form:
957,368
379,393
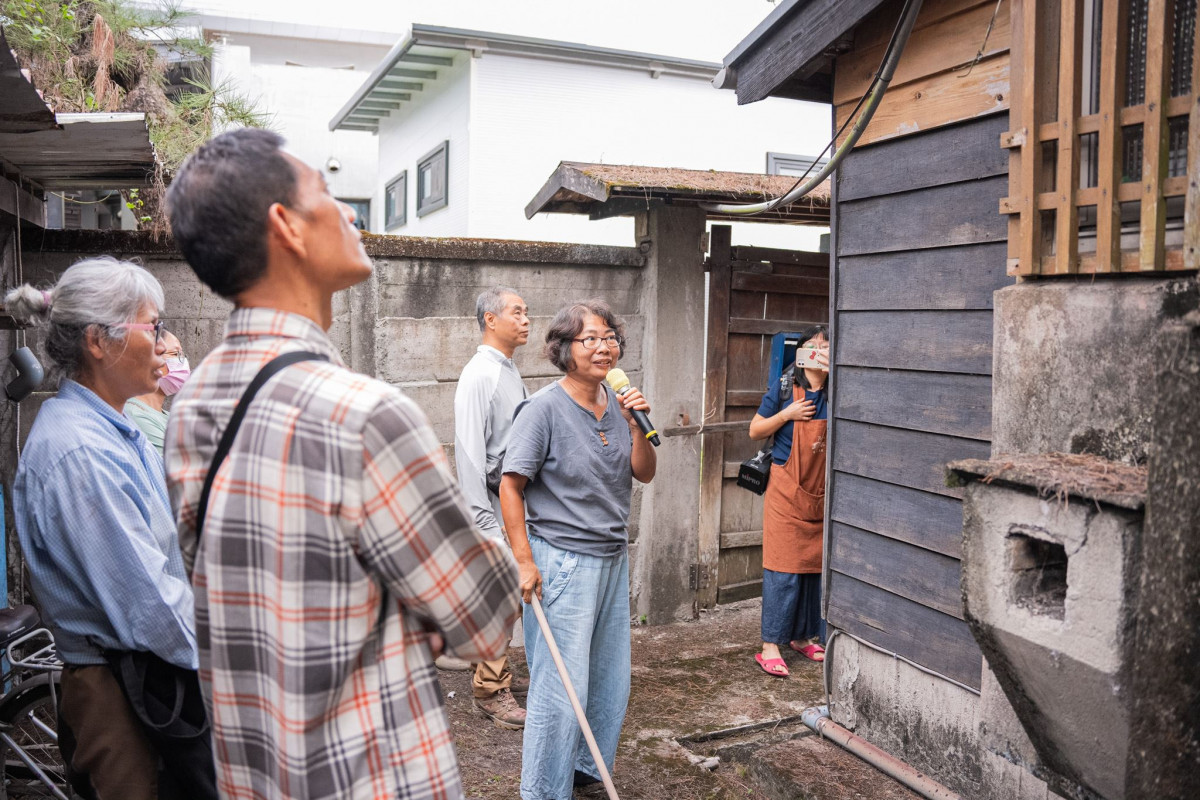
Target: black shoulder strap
786,380
265,374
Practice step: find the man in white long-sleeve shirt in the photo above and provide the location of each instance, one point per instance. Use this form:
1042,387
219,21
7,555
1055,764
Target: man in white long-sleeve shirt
489,390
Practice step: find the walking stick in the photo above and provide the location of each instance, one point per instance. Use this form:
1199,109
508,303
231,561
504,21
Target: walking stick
566,679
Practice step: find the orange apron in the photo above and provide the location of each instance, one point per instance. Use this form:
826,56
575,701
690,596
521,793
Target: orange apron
794,505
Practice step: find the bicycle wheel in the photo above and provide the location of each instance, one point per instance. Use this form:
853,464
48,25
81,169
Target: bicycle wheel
28,711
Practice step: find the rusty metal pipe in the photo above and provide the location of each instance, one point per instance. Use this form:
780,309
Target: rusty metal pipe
817,718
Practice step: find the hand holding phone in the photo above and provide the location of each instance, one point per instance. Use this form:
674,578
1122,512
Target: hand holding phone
813,358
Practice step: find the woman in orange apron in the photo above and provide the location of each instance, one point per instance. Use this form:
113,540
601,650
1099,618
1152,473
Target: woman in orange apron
794,508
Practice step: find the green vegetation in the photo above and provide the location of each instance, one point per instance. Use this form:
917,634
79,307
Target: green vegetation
112,55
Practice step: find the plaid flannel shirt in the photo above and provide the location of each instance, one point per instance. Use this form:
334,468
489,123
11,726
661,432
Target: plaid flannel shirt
335,538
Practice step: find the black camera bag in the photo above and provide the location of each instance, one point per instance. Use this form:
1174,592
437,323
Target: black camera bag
755,471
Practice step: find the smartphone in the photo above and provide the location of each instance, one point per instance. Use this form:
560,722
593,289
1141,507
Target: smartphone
806,358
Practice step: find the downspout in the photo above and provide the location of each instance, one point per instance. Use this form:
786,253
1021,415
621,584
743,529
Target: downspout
878,88
817,718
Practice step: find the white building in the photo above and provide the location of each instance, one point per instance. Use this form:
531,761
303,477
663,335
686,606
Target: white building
300,75
471,124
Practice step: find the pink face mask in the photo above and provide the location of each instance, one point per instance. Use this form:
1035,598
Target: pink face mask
177,372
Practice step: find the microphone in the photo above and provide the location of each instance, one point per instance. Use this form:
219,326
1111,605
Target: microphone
619,382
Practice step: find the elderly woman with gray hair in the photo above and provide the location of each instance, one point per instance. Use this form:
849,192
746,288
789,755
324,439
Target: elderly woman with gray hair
91,507
572,456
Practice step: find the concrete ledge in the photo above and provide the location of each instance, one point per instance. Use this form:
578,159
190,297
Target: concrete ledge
377,246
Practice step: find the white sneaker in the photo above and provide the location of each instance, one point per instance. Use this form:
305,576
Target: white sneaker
451,664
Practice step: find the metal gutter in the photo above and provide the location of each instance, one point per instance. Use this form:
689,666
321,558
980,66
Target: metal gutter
480,42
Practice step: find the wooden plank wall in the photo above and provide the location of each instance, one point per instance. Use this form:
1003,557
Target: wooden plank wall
935,83
920,249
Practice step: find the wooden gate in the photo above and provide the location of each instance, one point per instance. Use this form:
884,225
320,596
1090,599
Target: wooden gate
754,293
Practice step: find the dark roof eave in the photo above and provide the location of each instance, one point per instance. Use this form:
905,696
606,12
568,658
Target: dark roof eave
792,43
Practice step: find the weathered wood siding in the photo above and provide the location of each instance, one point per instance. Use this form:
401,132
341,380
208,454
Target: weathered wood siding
920,249
938,80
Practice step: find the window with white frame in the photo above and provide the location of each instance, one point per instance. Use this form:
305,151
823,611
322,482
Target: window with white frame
786,164
395,202
432,175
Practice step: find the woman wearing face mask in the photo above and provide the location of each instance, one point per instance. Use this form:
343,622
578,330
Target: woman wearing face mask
146,410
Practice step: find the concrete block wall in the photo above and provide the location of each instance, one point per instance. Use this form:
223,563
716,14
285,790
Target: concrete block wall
411,324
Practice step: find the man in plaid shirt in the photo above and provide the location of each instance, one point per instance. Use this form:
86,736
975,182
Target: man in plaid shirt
337,553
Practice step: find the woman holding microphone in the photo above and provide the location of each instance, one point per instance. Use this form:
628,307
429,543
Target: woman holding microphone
568,474
794,506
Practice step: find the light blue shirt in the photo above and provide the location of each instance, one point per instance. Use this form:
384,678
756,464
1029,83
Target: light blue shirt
487,396
96,529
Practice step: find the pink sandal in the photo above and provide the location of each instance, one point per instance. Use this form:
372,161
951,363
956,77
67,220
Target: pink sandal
813,652
772,666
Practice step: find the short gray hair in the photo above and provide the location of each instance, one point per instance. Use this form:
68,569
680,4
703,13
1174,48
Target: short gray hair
491,302
96,291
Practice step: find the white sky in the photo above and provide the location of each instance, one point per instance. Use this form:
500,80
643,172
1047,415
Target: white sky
700,29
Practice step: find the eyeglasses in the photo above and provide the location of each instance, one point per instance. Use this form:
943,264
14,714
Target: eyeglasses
157,327
592,342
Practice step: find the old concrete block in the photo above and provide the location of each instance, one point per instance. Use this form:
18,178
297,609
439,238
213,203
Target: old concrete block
437,348
1070,362
1045,585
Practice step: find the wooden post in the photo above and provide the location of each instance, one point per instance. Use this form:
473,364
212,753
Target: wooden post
1114,26
713,444
1191,213
1070,76
1155,144
1030,252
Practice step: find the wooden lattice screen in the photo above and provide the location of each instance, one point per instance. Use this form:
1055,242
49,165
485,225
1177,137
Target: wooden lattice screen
1104,137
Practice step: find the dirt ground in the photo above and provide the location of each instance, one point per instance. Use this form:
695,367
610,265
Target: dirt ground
696,692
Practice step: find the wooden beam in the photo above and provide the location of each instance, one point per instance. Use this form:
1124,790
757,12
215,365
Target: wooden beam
777,256
1114,26
1070,78
715,427
741,539
20,204
766,327
1155,134
743,590
1029,249
1014,141
1191,211
713,445
743,398
786,284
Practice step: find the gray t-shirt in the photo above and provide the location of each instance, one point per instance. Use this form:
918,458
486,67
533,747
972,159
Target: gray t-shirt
577,498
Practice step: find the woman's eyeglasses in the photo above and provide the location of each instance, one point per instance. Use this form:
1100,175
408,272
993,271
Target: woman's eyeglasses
592,342
157,327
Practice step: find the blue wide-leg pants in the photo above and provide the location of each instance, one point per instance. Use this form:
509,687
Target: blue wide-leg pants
586,601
